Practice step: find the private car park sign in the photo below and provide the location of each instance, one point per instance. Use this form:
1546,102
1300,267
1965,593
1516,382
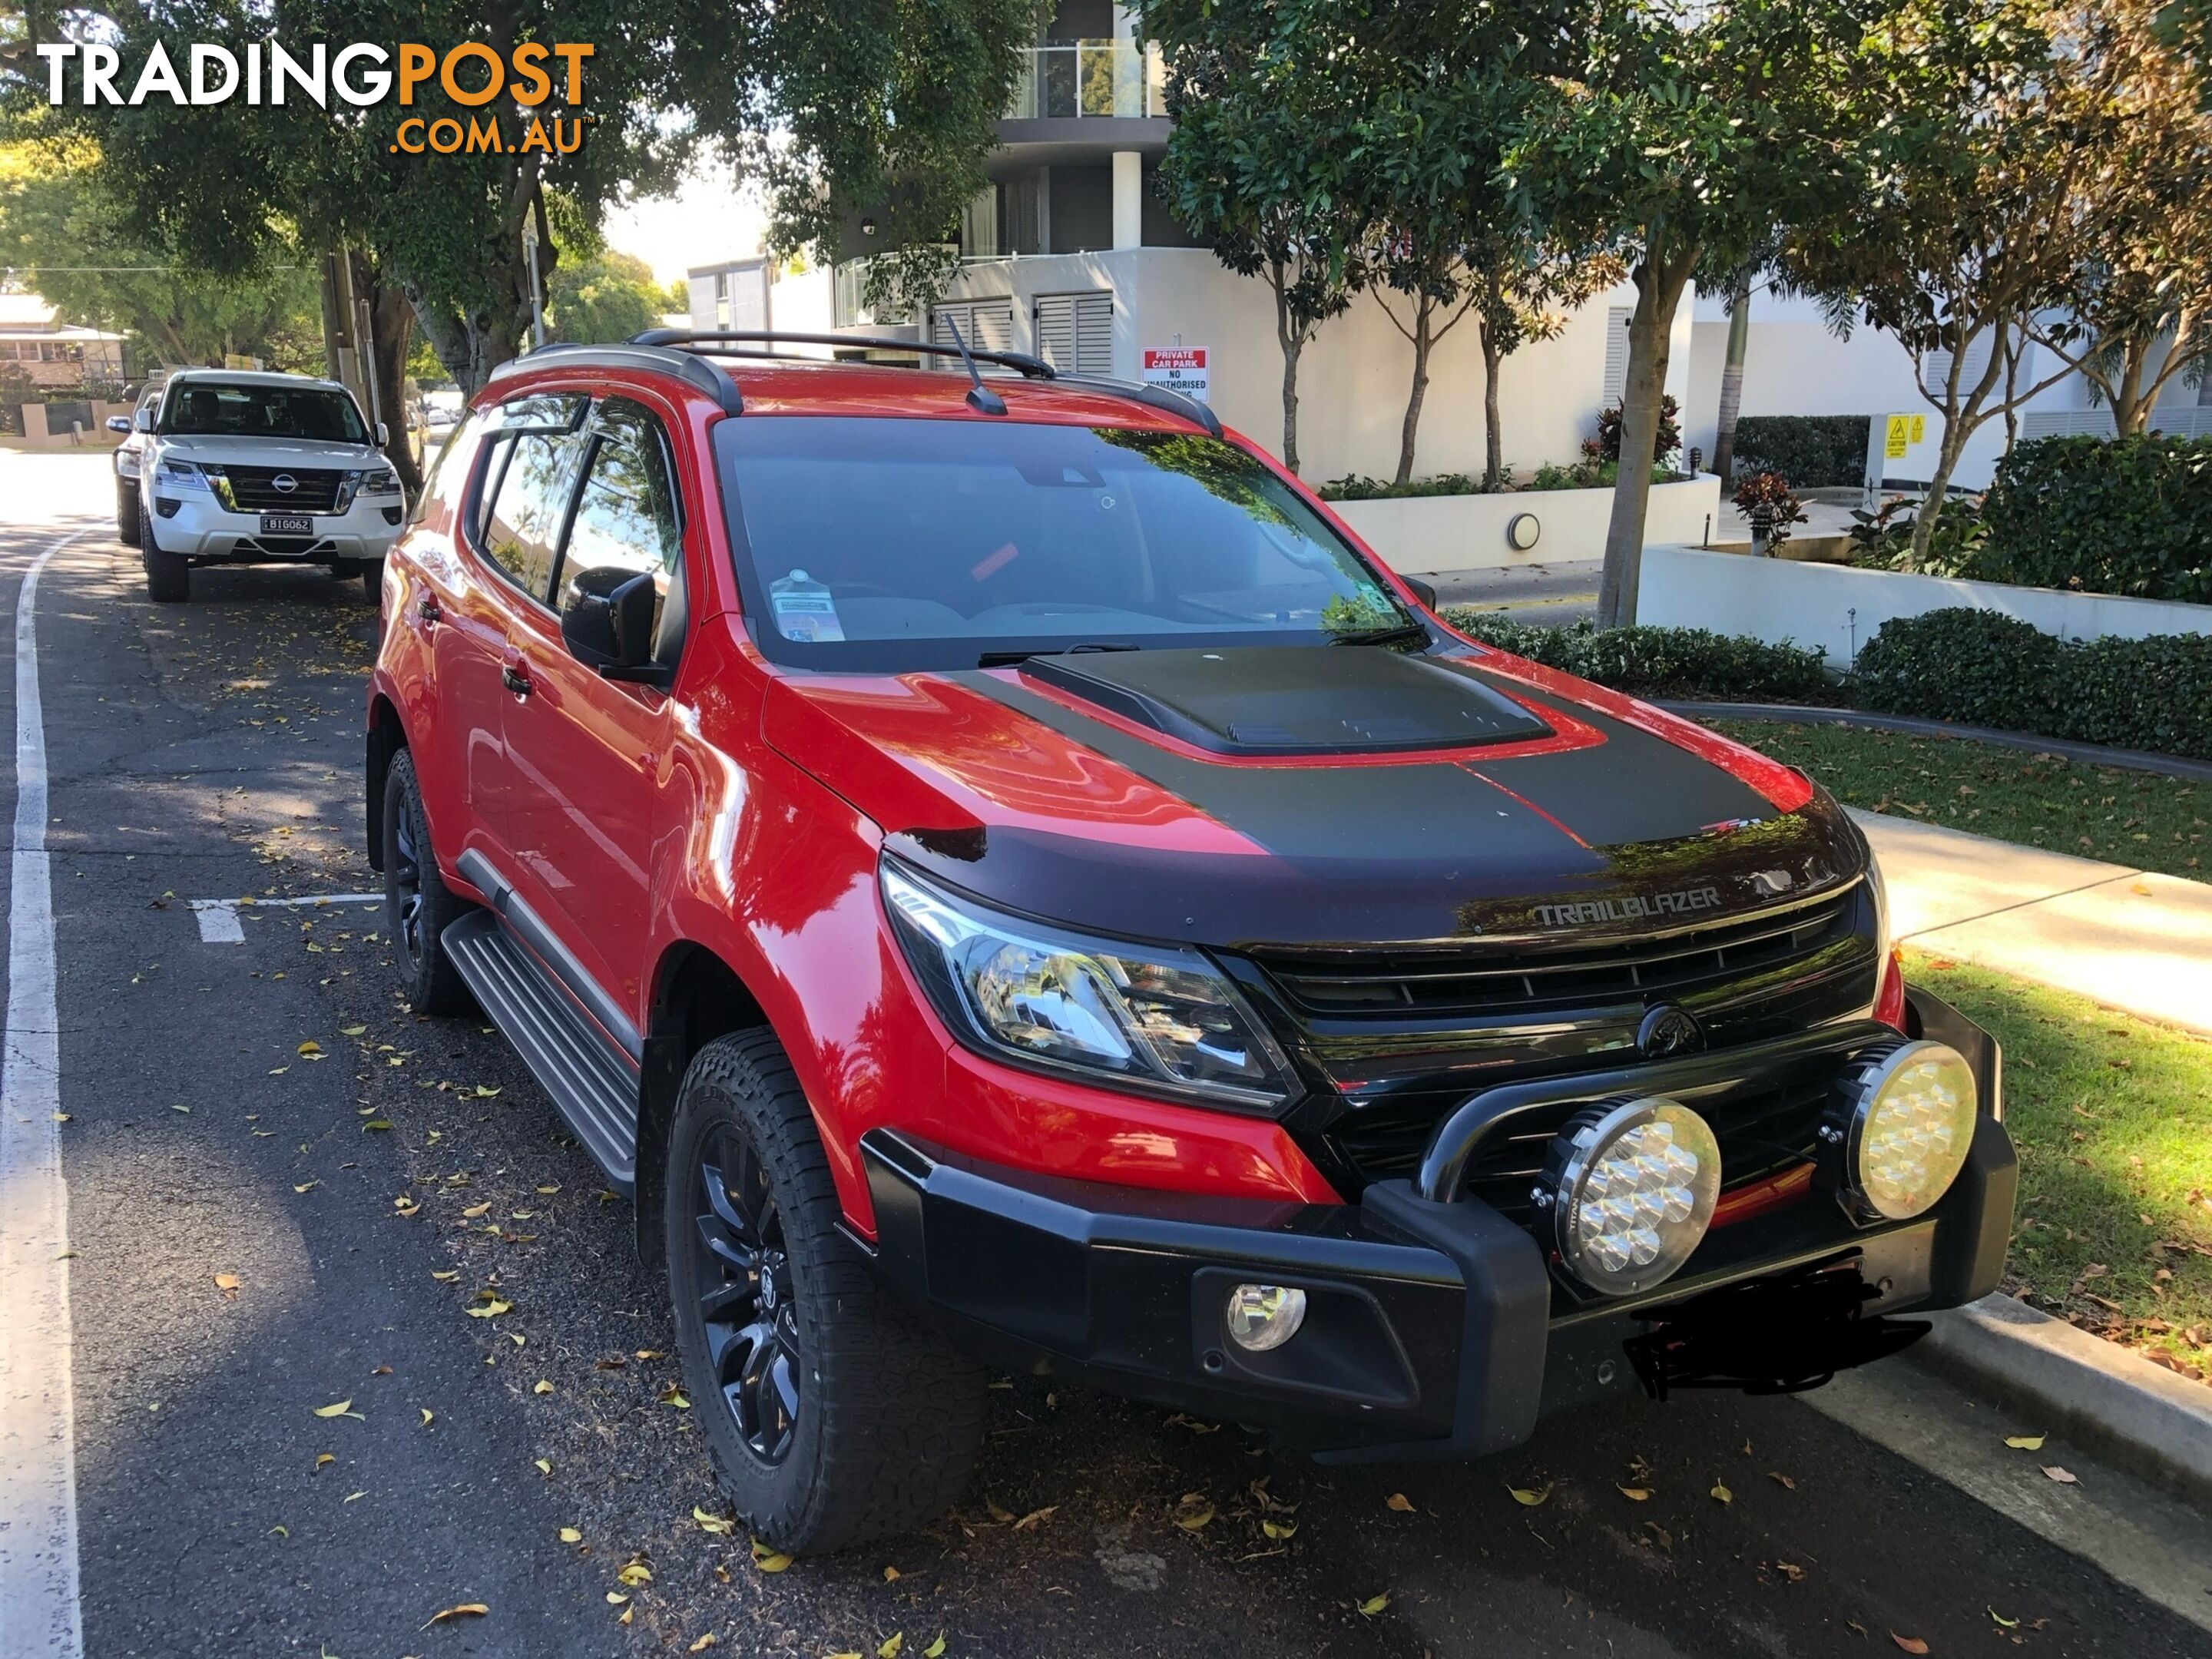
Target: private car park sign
1179,368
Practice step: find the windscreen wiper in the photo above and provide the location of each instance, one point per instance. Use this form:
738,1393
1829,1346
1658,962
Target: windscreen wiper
1007,659
1412,633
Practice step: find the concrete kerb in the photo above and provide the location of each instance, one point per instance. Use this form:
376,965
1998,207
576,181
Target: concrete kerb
2142,1416
2088,754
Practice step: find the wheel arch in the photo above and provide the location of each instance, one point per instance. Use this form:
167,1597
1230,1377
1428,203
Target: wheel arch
388,735
697,997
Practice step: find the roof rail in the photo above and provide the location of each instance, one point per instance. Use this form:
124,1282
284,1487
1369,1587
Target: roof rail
733,343
708,377
705,340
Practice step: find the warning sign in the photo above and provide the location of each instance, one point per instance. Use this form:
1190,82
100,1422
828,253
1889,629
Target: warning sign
1179,368
1904,431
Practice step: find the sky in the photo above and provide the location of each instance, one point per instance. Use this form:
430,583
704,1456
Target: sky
708,219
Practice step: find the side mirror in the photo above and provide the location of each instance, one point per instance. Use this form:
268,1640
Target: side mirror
607,624
118,424
383,435
1425,591
144,423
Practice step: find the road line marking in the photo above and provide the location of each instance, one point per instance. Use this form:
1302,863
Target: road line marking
218,918
39,1618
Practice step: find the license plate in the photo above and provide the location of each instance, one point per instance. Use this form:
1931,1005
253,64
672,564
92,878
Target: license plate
287,523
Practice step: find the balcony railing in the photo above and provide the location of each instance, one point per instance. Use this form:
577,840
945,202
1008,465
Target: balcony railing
1106,78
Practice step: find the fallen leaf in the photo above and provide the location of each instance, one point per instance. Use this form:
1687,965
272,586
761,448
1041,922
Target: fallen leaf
545,1468
636,1572
312,1047
1633,1494
427,1418
2002,1622
935,1650
227,1283
326,1457
890,1575
476,1210
615,1598
1782,1479
702,1644
491,1309
570,1535
1722,1493
769,1560
376,1123
1036,1518
1194,1514
342,1408
1910,1644
352,1030
542,1386
716,1523
447,1277
1375,1604
1400,1502
458,1610
888,1648
674,1396
1278,1530
1523,1495
2064,1476
309,1187
2025,1442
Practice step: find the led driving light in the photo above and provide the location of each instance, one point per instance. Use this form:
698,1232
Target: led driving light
1629,1188
1155,1018
1264,1316
1897,1135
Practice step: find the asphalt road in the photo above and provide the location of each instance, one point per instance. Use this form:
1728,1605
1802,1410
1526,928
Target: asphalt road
363,1195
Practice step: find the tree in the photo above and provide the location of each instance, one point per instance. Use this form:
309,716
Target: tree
605,296
1524,286
1253,167
1682,138
2140,315
1970,222
61,234
1731,398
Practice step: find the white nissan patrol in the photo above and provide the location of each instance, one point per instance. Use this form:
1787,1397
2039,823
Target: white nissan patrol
244,468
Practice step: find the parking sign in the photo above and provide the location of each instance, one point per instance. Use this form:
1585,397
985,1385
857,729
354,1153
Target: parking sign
1179,368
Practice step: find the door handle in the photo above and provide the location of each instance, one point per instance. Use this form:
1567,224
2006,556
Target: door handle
426,608
515,680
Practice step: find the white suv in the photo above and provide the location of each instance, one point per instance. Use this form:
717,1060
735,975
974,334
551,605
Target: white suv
262,469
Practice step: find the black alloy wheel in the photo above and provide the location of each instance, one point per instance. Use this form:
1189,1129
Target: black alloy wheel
741,1271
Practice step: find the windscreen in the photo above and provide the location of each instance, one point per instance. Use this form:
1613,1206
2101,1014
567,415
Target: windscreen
212,410
888,542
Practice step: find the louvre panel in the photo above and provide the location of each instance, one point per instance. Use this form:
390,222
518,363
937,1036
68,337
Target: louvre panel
986,324
1075,333
2065,423
1616,354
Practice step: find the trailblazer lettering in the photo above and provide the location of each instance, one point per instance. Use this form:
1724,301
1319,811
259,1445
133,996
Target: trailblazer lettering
1630,909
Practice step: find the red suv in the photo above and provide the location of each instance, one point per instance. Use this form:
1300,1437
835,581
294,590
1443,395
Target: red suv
1002,875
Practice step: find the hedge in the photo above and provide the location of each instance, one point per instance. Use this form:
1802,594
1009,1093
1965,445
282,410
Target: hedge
1660,661
1985,669
2105,515
1813,451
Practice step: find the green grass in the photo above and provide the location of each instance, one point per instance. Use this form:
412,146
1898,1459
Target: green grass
2112,1116
2136,819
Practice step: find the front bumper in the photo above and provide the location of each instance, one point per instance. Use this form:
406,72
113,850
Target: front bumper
199,527
1433,1330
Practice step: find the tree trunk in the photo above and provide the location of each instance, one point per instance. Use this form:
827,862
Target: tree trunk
1423,310
2130,408
393,319
1292,340
1494,436
1955,433
1738,343
1659,284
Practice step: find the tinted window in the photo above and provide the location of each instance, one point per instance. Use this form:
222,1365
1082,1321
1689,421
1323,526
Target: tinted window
202,409
895,543
527,491
626,516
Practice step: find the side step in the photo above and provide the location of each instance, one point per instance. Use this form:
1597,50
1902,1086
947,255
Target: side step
594,1082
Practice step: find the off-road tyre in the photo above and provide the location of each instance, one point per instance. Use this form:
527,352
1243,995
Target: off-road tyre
371,572
168,575
126,513
890,1415
432,985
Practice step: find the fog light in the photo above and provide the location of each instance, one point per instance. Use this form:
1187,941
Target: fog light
1901,1129
1630,1189
1264,1316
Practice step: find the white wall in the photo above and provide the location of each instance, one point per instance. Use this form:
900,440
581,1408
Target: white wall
1422,535
1353,378
1840,609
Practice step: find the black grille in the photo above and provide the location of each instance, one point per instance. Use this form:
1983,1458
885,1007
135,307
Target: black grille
253,489
1477,983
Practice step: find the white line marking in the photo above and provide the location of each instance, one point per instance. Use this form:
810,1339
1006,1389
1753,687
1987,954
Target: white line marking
39,1611
218,918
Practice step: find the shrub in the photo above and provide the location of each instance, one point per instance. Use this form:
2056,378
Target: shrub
1820,452
1882,540
1660,661
1767,499
2104,515
1986,669
1671,431
1358,487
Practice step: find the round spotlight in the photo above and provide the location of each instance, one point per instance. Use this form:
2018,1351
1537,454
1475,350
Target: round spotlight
1631,1188
1903,1121
1264,1316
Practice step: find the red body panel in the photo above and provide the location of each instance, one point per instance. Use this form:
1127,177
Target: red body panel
727,813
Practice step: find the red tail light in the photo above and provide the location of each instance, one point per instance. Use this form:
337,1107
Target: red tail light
1889,1000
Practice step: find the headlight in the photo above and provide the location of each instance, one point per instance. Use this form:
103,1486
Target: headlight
1154,1018
1629,1188
179,475
1899,1131
386,482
